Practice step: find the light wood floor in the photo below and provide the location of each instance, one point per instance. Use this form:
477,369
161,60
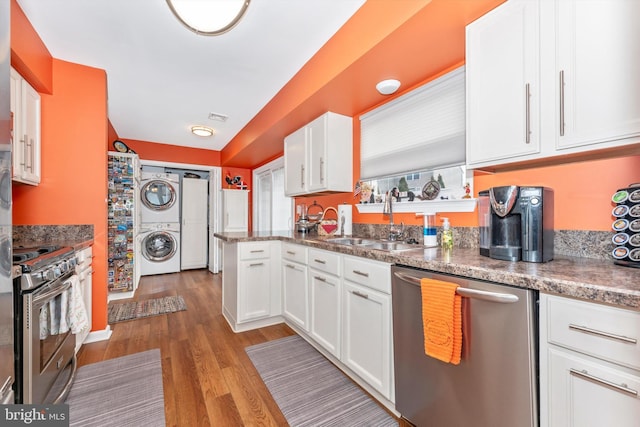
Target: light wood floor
207,376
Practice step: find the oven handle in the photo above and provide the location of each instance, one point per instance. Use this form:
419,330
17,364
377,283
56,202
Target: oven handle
466,292
52,292
67,387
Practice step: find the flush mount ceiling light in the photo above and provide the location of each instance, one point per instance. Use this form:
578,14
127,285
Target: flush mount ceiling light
209,17
387,87
201,131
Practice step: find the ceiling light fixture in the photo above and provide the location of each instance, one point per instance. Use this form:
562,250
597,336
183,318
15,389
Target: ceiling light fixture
201,131
387,87
209,17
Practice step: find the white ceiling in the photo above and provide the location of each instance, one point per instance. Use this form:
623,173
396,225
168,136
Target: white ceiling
163,78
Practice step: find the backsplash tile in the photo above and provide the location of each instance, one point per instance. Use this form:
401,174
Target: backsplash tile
579,243
25,235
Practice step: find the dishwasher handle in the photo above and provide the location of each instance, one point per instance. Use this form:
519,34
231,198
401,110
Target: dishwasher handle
466,292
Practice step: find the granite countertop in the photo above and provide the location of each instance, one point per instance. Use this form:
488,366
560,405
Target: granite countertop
585,278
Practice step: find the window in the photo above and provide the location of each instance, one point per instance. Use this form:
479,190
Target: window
272,210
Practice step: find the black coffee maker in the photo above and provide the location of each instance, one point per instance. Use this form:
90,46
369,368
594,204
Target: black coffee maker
520,223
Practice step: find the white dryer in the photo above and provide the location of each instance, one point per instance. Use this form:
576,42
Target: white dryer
159,197
160,248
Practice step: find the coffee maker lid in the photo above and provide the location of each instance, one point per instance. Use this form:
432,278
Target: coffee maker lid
503,199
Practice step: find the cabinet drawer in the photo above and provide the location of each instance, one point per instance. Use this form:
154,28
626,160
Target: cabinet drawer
605,332
376,275
326,261
254,250
296,253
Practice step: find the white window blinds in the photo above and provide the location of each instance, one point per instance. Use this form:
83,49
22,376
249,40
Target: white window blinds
423,129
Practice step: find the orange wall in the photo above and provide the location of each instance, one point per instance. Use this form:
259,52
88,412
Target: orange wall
172,153
582,193
73,189
29,55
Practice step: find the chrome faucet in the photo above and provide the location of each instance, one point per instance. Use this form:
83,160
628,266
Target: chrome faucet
395,233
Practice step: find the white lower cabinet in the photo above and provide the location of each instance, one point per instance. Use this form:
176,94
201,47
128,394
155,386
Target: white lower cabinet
325,307
347,315
589,364
585,392
295,286
251,284
366,318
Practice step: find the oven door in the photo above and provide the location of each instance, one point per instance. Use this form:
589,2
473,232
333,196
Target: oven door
48,343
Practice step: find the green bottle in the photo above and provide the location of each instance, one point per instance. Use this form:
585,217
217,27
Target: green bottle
447,235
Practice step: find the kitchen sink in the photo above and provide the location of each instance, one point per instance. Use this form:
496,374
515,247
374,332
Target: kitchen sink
352,241
389,246
382,245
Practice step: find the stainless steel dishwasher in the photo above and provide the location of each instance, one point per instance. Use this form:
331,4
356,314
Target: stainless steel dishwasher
495,384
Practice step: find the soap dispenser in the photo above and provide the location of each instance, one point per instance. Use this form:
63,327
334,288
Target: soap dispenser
447,235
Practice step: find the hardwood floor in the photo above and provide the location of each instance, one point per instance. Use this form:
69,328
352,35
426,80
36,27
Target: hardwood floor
207,376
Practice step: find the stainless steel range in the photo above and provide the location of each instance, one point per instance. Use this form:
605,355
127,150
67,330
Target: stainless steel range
44,344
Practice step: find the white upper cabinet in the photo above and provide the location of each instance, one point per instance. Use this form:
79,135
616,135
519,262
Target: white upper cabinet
503,83
25,106
318,157
551,78
598,72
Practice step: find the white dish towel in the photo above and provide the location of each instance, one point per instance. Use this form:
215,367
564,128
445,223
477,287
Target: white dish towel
76,311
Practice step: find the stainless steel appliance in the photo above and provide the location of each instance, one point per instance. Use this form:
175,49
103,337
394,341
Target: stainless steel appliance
495,383
6,288
44,347
520,223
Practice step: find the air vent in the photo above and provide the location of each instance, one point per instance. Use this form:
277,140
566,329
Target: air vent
218,117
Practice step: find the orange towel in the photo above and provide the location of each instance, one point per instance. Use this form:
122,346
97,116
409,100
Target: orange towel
442,320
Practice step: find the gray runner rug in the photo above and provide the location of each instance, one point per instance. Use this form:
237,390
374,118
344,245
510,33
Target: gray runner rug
126,391
119,312
310,390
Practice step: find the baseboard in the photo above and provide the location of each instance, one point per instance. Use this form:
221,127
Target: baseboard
95,336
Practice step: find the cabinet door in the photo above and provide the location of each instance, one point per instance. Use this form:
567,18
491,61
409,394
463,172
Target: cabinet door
587,393
25,106
366,335
254,289
193,249
502,83
295,294
31,110
295,163
235,205
317,154
325,310
598,68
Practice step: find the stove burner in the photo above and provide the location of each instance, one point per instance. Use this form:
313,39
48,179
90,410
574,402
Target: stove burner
22,254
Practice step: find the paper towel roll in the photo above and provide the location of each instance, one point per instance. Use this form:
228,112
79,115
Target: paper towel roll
345,227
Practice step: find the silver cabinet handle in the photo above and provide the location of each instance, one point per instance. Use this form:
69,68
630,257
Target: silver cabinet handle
465,292
24,150
256,264
291,252
561,102
320,261
302,176
257,251
322,279
290,266
30,154
360,273
527,107
321,169
620,387
602,333
361,295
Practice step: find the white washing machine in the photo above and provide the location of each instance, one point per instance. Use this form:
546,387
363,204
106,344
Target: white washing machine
160,248
159,197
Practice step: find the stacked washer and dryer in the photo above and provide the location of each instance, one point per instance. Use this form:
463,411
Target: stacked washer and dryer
160,223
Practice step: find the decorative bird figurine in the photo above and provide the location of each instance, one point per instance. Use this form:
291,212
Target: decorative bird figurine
229,179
